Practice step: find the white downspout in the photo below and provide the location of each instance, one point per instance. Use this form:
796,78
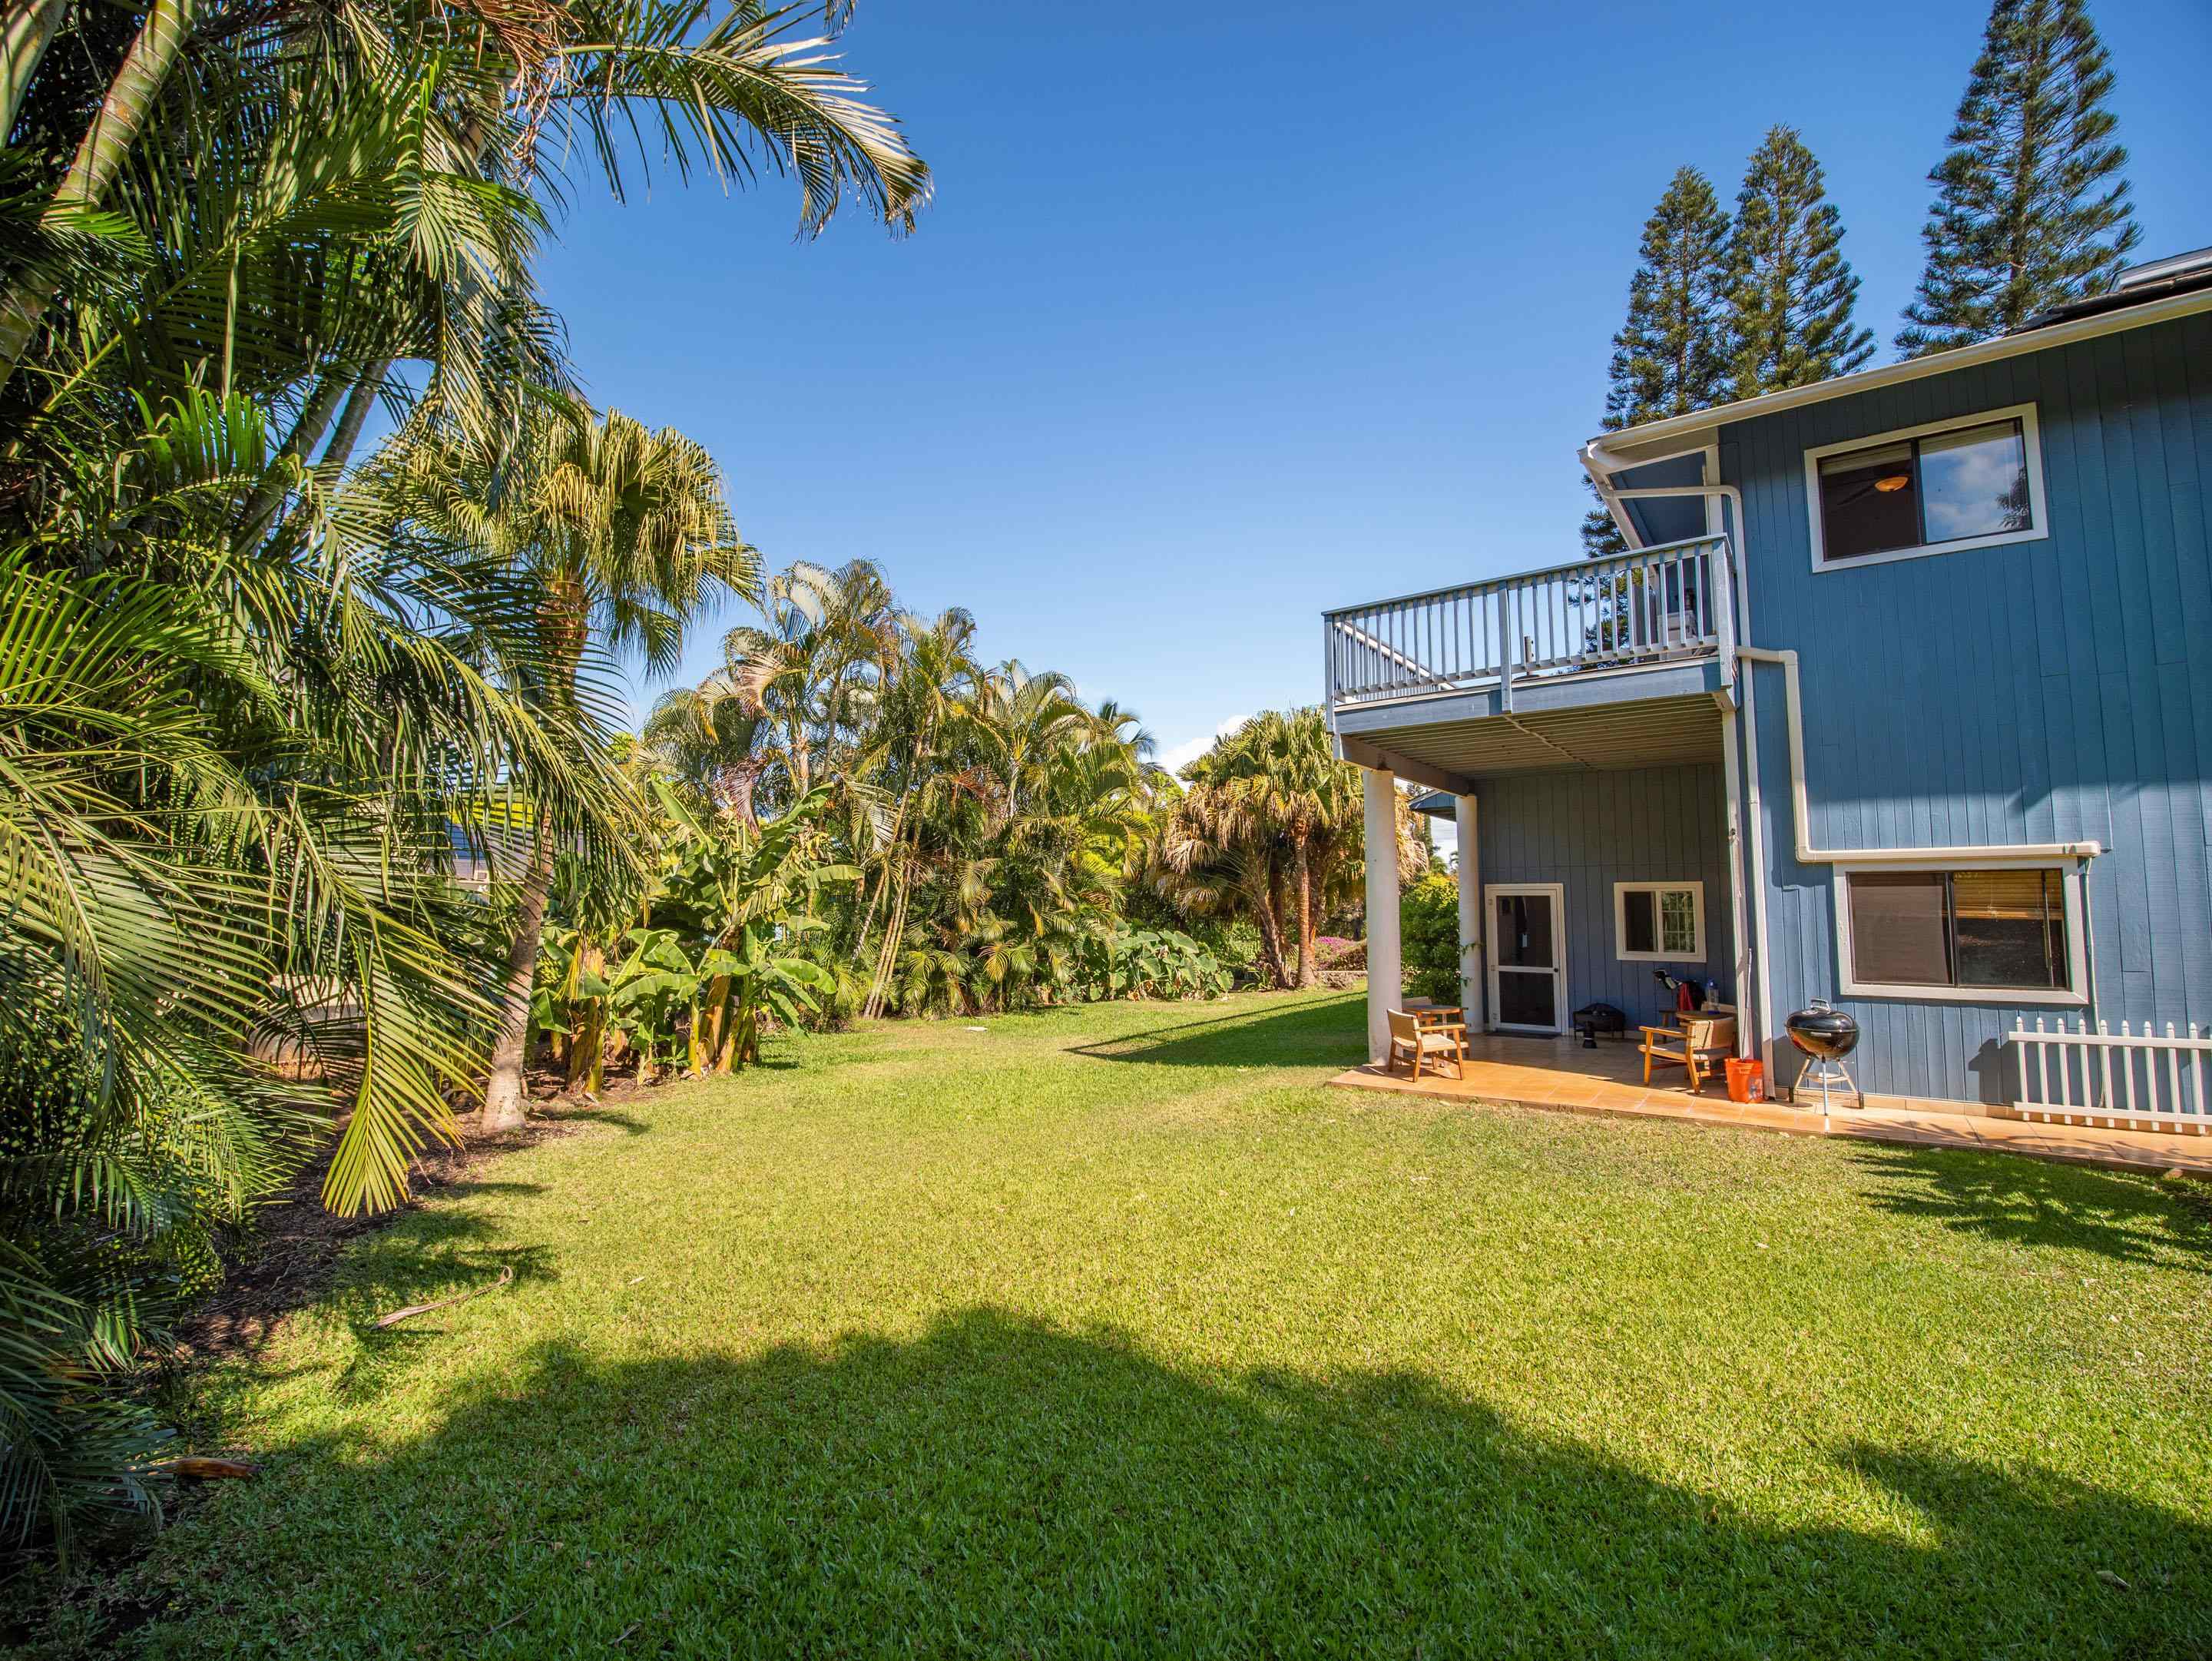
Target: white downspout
1764,1027
1740,941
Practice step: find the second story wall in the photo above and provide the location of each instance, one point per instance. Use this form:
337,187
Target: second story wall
2047,690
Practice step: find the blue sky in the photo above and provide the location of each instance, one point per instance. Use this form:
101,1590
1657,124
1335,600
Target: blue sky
1221,318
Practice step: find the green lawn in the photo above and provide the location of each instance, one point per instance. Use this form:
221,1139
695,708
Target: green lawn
1112,1331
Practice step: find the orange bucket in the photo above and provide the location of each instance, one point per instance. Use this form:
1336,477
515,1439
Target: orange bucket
1746,1079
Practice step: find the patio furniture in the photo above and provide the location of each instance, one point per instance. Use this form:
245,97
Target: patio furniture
1701,1041
1445,1040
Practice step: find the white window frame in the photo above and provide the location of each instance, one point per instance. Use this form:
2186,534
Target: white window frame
1621,891
2038,526
2075,995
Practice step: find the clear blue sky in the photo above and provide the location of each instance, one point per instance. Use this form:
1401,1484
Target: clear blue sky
1221,318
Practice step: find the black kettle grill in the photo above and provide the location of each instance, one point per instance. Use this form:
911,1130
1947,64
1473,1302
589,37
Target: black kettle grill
1826,1034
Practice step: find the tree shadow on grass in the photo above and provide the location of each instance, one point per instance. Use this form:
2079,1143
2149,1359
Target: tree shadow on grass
2128,1218
1000,1487
1328,1032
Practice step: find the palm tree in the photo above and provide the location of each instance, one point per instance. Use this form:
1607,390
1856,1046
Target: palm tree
482,95
623,534
1272,820
712,744
233,774
813,666
1310,797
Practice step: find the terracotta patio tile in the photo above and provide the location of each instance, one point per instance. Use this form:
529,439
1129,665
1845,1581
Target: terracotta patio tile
1609,1081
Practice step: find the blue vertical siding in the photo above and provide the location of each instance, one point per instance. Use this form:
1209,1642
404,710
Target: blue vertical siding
1588,831
2047,691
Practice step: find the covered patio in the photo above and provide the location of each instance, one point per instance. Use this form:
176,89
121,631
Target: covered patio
1559,1075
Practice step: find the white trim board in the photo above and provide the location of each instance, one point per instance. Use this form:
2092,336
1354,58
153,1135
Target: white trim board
2077,995
2031,437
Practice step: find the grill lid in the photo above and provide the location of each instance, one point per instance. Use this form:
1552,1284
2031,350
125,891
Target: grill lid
1823,1031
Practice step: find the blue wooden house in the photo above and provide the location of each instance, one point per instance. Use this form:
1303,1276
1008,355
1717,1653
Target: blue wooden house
1902,698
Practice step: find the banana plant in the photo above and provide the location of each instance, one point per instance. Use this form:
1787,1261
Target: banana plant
572,1001
651,988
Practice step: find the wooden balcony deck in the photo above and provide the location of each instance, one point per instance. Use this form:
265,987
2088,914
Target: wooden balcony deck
1559,1075
1600,663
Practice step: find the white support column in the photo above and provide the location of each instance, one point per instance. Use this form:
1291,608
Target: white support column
1471,967
1386,988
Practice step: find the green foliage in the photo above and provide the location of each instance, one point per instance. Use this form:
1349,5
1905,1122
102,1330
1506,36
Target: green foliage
722,951
1152,962
2031,206
1428,923
989,817
252,697
1791,291
1271,831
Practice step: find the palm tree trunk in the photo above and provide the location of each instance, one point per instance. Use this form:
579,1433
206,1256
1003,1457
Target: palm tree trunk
114,129
887,960
562,615
1273,928
23,40
262,507
1271,933
1309,971
359,402
504,1095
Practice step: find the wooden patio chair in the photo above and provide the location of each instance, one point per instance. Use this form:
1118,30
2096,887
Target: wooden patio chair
1446,1041
1701,1041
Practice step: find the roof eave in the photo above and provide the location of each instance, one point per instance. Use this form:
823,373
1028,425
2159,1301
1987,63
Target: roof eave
1634,445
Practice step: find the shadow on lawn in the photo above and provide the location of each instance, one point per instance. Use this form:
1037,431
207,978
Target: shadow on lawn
2028,1202
1329,1031
1002,1487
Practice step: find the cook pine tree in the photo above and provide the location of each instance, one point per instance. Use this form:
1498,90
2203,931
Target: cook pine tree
1791,291
2032,205
1670,356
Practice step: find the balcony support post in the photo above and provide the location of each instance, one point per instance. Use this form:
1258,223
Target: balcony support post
1385,977
1471,967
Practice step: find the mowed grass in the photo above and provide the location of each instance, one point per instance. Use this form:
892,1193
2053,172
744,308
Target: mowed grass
1112,1331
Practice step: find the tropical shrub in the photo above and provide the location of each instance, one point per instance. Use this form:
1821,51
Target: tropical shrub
1152,962
1428,927
719,953
1340,956
252,696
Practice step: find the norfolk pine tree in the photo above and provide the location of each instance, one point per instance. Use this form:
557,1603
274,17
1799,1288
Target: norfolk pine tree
2030,207
1791,291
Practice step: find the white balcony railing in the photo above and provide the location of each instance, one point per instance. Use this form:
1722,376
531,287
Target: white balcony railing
1654,606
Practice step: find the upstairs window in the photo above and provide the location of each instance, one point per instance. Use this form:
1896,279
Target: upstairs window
2009,934
1932,489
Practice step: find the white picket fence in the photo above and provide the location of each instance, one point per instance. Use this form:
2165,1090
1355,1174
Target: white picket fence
2124,1080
